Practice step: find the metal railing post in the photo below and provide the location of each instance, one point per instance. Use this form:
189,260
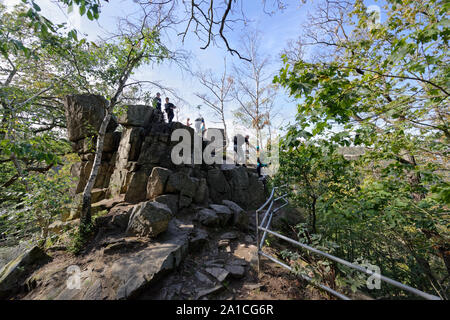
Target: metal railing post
257,240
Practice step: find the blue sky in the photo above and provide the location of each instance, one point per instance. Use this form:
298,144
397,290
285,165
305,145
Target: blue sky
276,29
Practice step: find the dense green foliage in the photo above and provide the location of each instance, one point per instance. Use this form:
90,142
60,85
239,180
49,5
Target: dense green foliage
34,79
385,88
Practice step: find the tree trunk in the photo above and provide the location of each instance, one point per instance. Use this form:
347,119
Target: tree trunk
85,216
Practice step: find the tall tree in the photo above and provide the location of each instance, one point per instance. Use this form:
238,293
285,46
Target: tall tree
253,88
218,93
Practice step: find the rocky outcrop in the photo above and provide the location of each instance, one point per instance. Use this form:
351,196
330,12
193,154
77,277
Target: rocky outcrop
136,161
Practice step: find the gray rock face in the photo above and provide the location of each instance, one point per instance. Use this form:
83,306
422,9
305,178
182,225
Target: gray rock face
115,277
236,271
145,143
137,186
219,188
13,274
84,114
181,182
239,185
157,182
256,195
219,273
136,115
155,150
149,219
128,151
83,170
208,217
137,270
202,194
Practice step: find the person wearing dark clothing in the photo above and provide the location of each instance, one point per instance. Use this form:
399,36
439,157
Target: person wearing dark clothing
247,149
169,107
259,165
157,101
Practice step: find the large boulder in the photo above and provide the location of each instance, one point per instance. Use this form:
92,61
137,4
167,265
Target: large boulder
133,272
137,188
136,115
239,183
149,219
157,182
181,182
208,217
13,274
240,217
84,114
223,212
117,218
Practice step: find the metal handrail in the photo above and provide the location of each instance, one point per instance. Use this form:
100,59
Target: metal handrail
260,243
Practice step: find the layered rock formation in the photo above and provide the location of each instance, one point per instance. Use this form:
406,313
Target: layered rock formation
136,161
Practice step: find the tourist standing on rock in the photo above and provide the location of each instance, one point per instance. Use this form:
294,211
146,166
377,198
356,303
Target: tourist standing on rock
188,122
169,107
198,125
157,101
203,127
259,166
247,149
